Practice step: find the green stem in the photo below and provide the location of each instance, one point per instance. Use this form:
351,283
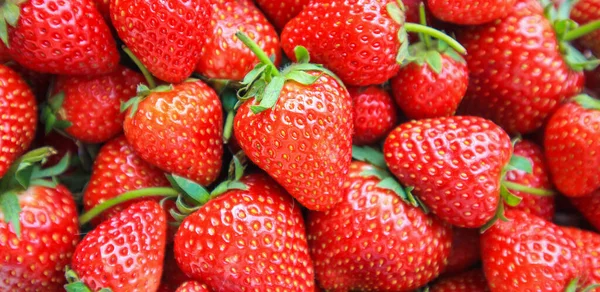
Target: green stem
587,102
529,190
581,31
136,194
418,28
423,20
147,75
262,56
228,128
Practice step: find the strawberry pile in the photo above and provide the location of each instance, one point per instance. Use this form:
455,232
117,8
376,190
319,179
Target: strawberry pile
298,145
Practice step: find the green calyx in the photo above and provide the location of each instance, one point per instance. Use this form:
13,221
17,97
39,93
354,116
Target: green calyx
51,113
574,286
10,13
74,284
587,102
143,91
265,82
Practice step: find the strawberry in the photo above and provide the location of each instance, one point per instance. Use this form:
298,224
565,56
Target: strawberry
88,107
124,252
520,78
528,253
465,250
470,281
589,207
373,241
38,82
571,142
281,12
117,169
165,36
178,129
18,119
58,37
192,286
589,244
224,56
298,128
374,114
246,240
587,12
470,12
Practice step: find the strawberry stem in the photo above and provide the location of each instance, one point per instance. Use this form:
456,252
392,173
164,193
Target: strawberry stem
587,102
228,128
260,54
581,31
428,31
423,20
145,72
529,190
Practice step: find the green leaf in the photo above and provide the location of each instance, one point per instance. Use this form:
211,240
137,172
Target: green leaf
576,60
238,168
49,120
55,170
11,210
499,216
591,288
254,74
370,155
191,188
302,55
270,95
564,10
395,13
302,77
62,124
37,155
11,13
77,287
521,163
376,172
23,174
237,185
3,30
44,183
587,102
56,101
411,198
573,285
389,183
434,60
509,197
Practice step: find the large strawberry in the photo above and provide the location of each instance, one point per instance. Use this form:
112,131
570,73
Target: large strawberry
60,37
18,118
223,55
38,82
247,239
374,114
166,36
589,244
518,74
471,281
373,241
178,129
589,207
280,12
572,144
470,12
124,253
298,128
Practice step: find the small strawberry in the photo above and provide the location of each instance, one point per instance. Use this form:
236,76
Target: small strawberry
465,250
124,253
18,118
471,281
572,145
587,12
374,114
178,129
281,12
589,207
589,244
165,36
470,12
527,253
192,286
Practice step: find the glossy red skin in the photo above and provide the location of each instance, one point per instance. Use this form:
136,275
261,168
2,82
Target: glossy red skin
537,205
528,253
281,12
515,84
356,39
454,164
193,286
84,46
572,144
421,93
18,118
224,56
165,36
117,169
180,131
49,233
470,12
470,281
374,114
589,244
304,142
38,82
125,252
247,240
372,241
93,103
583,12
465,250
589,207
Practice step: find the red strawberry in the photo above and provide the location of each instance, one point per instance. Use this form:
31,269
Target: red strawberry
60,37
471,281
246,240
374,114
192,286
38,82
281,12
224,56
528,253
125,252
455,165
165,36
572,144
589,244
178,129
589,207
373,241
470,12
539,205
585,12
518,76
465,250
18,118
88,108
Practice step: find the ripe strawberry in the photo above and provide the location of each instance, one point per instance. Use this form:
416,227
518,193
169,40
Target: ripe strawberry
518,76
470,12
59,37
192,286
38,82
589,207
374,114
88,108
471,281
373,241
224,56
455,165
246,240
589,244
178,129
528,253
18,119
572,144
125,252
465,250
585,12
165,36
281,12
